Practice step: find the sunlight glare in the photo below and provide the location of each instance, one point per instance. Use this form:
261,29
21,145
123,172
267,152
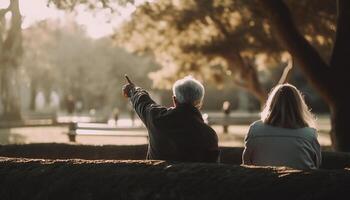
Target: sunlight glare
103,22
4,4
34,11
97,23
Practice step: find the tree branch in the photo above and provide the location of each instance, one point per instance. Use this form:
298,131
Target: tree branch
239,83
247,73
13,41
2,28
286,72
4,11
2,16
308,59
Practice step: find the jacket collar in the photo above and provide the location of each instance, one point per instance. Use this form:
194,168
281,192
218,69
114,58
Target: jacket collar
191,108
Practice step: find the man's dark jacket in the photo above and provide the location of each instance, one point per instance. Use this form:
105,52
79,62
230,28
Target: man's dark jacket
175,134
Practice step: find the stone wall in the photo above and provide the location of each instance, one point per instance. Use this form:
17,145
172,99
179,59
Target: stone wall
229,155
107,179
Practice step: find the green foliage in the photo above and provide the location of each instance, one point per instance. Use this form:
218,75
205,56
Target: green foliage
112,5
216,40
196,36
64,59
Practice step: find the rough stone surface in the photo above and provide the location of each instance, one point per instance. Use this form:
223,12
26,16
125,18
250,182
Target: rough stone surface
68,151
109,179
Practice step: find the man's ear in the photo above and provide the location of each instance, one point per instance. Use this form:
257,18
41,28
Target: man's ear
174,101
198,104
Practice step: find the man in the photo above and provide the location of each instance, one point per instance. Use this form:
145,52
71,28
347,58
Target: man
177,133
226,108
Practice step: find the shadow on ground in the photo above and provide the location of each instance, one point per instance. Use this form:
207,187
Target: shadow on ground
6,137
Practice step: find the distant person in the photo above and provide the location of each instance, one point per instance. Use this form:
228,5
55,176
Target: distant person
226,108
116,115
177,133
132,115
285,135
70,104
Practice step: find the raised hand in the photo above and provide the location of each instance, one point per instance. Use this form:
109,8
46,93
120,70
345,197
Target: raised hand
128,79
128,87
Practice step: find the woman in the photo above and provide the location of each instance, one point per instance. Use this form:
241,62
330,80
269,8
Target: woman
285,135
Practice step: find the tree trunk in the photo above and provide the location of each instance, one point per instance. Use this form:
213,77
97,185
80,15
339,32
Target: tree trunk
340,107
11,52
33,92
340,55
9,94
340,126
47,95
248,77
329,80
307,58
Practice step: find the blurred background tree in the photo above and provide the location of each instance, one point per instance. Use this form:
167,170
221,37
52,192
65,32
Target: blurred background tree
327,75
64,59
235,39
10,58
219,40
229,43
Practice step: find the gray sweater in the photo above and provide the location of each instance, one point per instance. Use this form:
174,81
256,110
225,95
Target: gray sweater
267,145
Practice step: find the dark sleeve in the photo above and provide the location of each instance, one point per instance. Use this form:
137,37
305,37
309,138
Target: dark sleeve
144,106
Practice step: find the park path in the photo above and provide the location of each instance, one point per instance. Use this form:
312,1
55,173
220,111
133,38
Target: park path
58,134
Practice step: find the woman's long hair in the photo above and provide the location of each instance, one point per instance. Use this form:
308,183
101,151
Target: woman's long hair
286,108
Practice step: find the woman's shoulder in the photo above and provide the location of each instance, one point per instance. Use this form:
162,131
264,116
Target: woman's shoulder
256,127
310,132
257,123
259,128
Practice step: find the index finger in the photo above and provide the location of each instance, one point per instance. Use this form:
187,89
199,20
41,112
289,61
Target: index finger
127,79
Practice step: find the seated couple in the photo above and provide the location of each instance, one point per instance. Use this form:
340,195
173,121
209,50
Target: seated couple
285,135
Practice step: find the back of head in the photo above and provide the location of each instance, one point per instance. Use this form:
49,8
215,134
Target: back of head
285,107
189,91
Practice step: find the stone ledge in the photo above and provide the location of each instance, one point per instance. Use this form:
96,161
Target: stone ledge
229,155
126,179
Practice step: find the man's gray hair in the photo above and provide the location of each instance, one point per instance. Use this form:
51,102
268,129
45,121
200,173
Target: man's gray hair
188,90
